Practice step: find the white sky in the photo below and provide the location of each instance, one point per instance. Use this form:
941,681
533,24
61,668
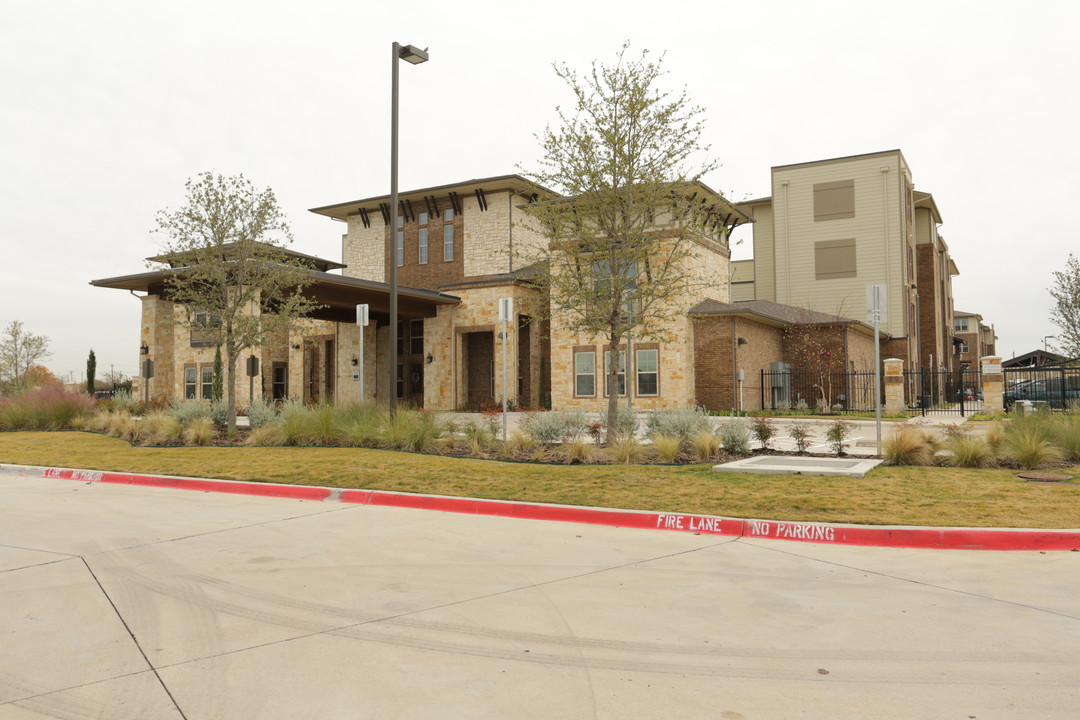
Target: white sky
107,107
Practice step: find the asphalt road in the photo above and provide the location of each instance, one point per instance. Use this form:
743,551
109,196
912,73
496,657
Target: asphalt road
123,602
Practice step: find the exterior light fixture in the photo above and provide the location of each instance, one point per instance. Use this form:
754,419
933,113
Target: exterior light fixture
415,56
742,341
429,358
144,349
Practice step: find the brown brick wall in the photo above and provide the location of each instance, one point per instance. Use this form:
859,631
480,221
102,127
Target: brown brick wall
717,359
436,272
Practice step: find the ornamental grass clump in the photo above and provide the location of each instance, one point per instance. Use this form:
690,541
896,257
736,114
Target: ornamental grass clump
578,451
1067,437
667,446
626,449
1029,441
199,432
969,450
413,430
908,445
45,408
706,445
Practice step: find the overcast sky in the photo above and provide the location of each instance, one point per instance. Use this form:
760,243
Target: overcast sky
107,107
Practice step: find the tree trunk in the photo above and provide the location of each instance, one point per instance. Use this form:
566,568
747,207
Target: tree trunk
230,387
611,382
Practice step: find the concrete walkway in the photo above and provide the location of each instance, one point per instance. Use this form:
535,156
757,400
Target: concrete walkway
130,603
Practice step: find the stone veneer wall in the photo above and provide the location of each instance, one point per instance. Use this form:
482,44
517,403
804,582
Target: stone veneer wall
446,378
363,250
710,264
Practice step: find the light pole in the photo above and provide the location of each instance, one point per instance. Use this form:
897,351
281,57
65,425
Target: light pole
1045,338
415,56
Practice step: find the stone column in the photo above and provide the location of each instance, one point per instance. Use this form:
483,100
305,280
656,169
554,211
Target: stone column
894,385
993,385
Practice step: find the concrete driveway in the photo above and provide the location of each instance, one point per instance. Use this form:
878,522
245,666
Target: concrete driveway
125,602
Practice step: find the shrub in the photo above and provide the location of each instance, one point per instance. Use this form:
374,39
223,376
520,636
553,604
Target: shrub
480,436
553,427
199,432
684,423
837,435
763,429
190,410
969,450
626,449
802,406
735,437
800,433
667,446
219,414
1067,437
625,422
259,412
908,445
415,431
168,431
521,442
123,401
706,445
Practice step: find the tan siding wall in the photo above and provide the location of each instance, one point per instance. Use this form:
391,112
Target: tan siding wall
878,261
764,253
742,280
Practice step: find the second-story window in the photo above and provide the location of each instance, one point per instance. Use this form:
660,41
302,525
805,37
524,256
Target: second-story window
448,234
400,248
423,246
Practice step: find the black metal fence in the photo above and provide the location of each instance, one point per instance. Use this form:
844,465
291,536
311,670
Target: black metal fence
1056,385
824,392
944,391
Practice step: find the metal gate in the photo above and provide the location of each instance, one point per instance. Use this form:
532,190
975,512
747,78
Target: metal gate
1057,385
944,391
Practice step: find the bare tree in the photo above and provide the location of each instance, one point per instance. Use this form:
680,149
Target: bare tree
630,158
228,266
18,351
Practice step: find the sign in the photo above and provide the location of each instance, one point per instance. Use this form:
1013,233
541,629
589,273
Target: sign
362,315
880,303
355,374
252,366
506,309
148,368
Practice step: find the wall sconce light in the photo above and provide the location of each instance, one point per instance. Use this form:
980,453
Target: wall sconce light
144,349
354,362
429,358
742,341
295,347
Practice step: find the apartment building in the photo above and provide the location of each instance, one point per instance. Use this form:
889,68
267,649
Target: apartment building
974,339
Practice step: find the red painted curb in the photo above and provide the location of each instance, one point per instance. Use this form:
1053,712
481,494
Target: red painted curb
872,536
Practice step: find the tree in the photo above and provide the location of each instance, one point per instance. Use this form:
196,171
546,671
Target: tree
18,351
39,376
91,369
218,384
1065,312
630,157
229,267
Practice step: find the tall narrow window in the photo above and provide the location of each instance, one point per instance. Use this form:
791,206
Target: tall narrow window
416,337
585,373
647,370
190,380
207,372
280,381
448,235
621,377
423,246
400,248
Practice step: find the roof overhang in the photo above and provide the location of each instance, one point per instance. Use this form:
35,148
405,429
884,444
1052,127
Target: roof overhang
481,186
339,295
924,200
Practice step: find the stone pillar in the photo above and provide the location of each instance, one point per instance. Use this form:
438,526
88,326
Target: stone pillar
894,385
993,385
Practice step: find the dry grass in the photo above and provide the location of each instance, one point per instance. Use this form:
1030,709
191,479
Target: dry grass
888,495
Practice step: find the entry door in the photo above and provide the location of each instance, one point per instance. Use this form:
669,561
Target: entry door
416,384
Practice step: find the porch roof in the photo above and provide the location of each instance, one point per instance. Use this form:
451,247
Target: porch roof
777,314
339,294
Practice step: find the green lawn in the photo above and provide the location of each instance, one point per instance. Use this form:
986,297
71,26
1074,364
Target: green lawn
888,495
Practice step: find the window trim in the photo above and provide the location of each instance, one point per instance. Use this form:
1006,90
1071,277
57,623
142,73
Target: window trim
205,368
194,384
422,251
448,242
587,350
622,374
399,248
284,367
638,373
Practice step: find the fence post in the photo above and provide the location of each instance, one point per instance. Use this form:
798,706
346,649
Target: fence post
993,385
894,385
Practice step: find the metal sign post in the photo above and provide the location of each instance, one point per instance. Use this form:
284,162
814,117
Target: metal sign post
506,312
876,308
361,323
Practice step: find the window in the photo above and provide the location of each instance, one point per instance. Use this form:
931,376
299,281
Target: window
422,218
401,338
423,246
834,259
960,324
201,331
964,346
190,378
620,379
647,370
585,373
400,248
400,381
448,235
416,337
207,376
279,381
834,200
